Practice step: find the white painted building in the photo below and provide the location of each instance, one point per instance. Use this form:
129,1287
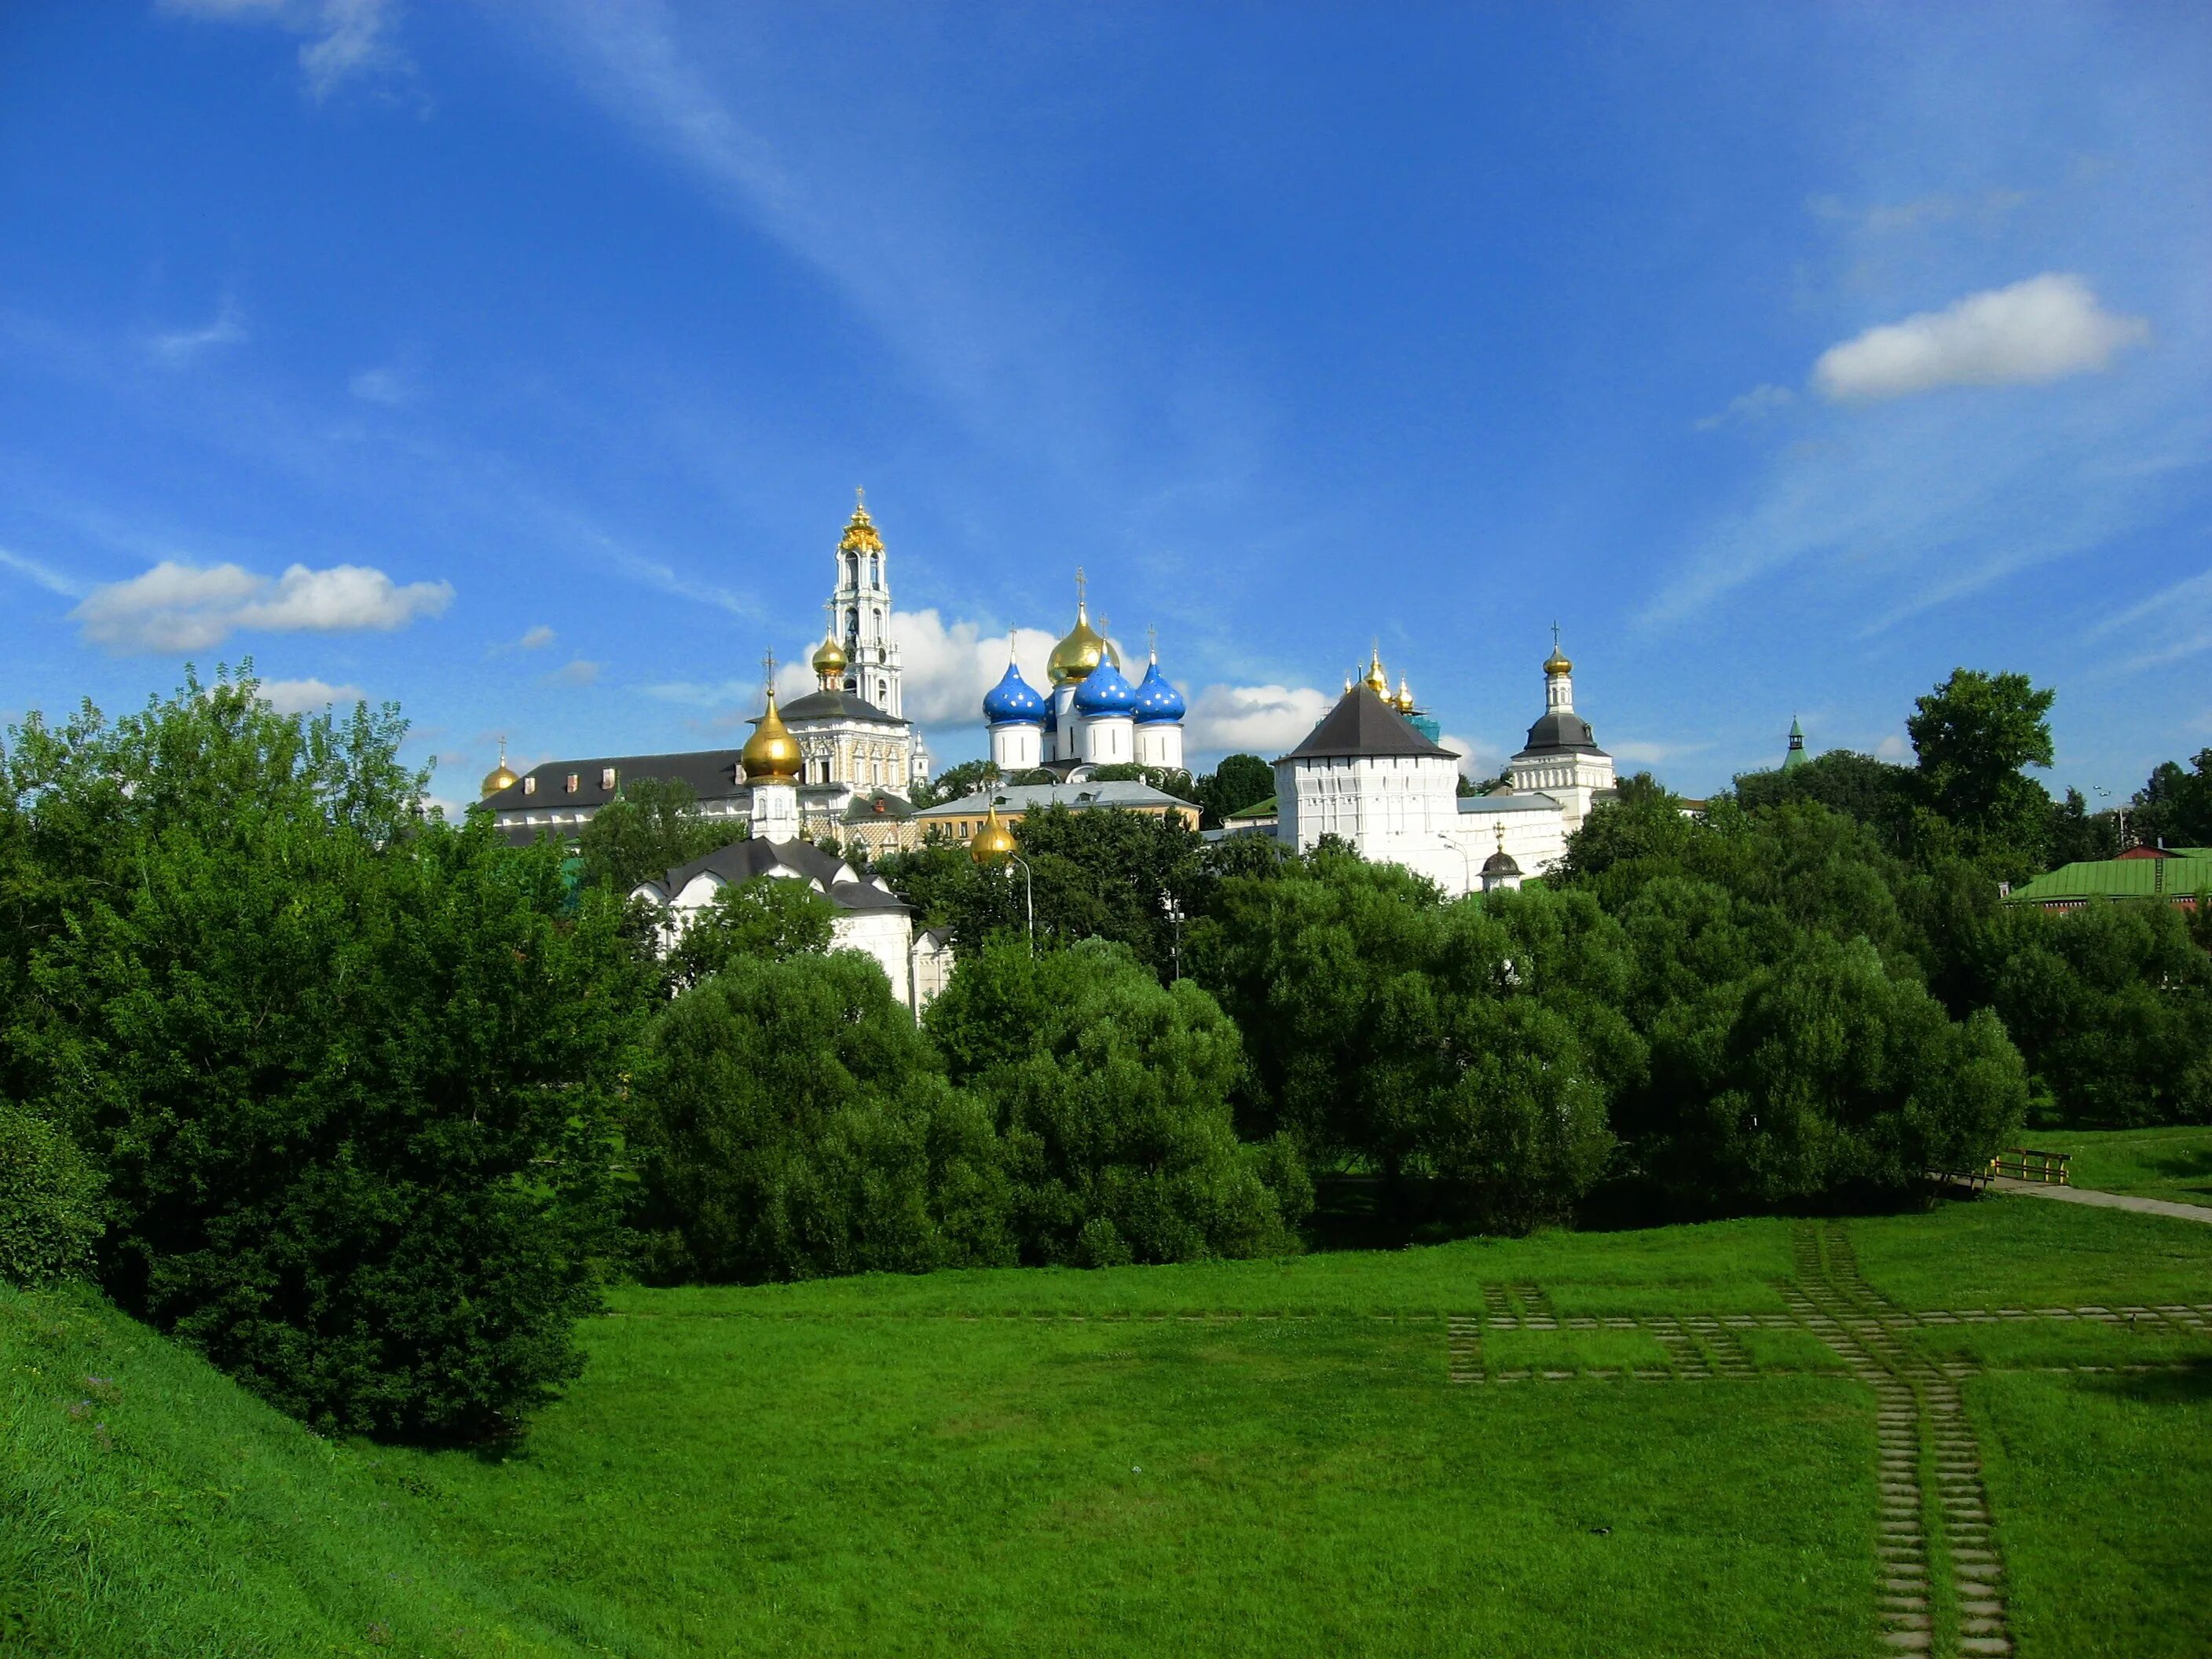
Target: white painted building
1367,774
870,919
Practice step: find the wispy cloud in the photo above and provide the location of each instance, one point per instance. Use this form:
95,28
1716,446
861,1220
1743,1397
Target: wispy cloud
579,673
1987,209
52,580
536,639
1262,719
390,386
2046,328
1746,408
181,348
182,607
2173,623
348,39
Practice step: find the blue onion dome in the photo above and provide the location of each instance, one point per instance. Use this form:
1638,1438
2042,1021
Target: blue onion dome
1158,701
1012,702
1103,691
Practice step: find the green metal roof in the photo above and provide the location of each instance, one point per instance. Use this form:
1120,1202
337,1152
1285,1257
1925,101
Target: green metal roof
1258,809
2115,878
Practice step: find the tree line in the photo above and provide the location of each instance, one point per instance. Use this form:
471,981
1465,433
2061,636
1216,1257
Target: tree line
368,1106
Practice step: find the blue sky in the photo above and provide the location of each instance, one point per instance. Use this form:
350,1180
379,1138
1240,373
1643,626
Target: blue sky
518,362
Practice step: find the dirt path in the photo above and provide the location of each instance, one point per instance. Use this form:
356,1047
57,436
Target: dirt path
2105,1200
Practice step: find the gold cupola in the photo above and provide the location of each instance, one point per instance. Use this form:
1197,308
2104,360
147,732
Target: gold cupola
1405,697
993,841
499,777
860,534
1377,680
1556,663
1082,649
771,754
828,662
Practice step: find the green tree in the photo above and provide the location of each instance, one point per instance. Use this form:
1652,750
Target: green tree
2174,806
2077,834
1111,1096
49,1200
651,826
1873,791
791,1122
347,1071
770,916
1239,781
1973,735
955,781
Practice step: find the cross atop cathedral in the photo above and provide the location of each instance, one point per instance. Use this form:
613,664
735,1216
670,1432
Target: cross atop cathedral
767,674
860,499
1555,636
1079,587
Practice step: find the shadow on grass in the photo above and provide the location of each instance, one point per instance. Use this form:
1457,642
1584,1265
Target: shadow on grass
2190,1167
2184,1384
1360,1211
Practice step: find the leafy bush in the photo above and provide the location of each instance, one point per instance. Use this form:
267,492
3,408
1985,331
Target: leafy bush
768,916
651,826
49,1200
1111,1096
791,1123
348,1071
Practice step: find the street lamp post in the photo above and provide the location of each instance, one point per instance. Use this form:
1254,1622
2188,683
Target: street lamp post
1466,861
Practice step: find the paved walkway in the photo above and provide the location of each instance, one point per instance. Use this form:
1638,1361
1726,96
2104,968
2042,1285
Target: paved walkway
2106,1201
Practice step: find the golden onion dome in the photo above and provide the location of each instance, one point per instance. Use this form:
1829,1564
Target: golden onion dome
771,754
829,657
1405,697
1080,651
499,777
860,535
1377,681
1556,663
993,841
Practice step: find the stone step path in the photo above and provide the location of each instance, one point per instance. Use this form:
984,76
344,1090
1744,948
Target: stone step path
2198,1212
1928,1463
1463,1338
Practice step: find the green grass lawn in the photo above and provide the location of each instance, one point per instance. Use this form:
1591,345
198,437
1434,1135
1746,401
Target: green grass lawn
2175,1164
1241,1458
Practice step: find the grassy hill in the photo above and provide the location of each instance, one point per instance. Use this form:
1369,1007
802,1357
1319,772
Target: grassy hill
1577,1444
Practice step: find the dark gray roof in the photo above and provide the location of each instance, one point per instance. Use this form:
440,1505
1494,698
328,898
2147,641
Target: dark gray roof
1362,723
1559,733
713,774
834,705
879,806
741,860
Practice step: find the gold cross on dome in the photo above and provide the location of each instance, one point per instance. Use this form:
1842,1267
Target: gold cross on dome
768,671
1079,587
1555,636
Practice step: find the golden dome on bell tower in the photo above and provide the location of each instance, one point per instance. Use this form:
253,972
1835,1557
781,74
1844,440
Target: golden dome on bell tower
860,534
829,660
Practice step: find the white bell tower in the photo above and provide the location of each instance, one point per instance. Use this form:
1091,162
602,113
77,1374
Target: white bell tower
861,613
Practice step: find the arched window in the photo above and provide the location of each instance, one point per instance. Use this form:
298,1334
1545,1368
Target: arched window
852,624
875,570
853,568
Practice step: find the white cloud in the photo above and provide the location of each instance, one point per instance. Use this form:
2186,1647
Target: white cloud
350,38
52,580
1259,720
949,666
537,638
184,346
580,673
2044,328
1654,754
182,607
302,696
1755,404
1894,749
1889,218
